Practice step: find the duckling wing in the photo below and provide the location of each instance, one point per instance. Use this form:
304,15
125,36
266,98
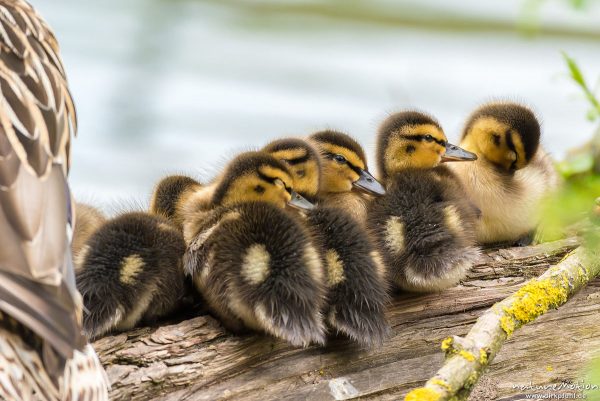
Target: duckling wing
37,117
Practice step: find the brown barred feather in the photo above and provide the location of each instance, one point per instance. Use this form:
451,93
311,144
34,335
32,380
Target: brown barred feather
43,353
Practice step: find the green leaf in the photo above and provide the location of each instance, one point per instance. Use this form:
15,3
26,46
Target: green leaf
576,164
575,71
592,114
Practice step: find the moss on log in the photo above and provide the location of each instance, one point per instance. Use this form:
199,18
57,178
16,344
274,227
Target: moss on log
197,359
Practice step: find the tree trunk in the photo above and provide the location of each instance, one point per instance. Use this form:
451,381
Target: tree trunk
197,359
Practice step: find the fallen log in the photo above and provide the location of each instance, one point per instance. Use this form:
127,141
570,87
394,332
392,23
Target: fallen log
196,359
469,356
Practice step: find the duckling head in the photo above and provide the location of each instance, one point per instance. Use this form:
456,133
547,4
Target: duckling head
505,134
303,161
344,165
257,176
411,139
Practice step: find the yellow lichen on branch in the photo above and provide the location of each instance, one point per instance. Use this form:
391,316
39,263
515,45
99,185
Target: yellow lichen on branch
533,300
462,369
422,394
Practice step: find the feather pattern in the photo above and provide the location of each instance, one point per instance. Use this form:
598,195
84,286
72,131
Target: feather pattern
43,353
23,378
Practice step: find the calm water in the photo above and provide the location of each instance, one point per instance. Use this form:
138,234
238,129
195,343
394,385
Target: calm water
179,86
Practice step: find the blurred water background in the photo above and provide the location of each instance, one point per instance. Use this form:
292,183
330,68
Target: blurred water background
168,86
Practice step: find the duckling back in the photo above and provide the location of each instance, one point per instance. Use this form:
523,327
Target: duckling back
355,276
133,271
257,268
424,229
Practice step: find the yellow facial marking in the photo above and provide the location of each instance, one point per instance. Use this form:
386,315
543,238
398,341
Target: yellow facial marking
250,187
403,152
452,219
335,268
394,238
305,175
289,154
339,177
130,267
487,138
273,172
424,129
347,153
255,268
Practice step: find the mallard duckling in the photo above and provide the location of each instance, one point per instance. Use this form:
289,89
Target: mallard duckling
43,354
170,195
132,272
423,225
344,169
88,220
355,273
251,260
512,174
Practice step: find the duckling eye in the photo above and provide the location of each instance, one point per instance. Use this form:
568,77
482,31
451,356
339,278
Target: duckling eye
339,158
429,138
259,189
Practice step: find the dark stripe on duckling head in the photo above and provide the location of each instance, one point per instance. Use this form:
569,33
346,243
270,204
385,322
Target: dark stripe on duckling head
518,117
304,163
332,156
280,146
298,160
511,146
394,123
340,139
271,180
248,162
428,138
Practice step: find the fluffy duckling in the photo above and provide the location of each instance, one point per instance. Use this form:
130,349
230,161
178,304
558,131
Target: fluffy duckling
88,220
170,195
132,272
512,174
345,168
355,273
253,262
423,225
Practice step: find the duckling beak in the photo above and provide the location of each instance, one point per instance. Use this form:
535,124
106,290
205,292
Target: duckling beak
457,154
299,202
369,184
